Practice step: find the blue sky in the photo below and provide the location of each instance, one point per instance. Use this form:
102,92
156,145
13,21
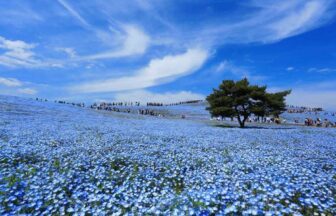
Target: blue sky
166,50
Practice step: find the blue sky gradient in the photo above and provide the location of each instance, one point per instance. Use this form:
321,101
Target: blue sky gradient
166,50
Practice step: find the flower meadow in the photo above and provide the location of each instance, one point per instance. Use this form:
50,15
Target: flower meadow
61,160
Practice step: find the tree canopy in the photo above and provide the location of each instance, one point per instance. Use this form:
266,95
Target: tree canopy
240,99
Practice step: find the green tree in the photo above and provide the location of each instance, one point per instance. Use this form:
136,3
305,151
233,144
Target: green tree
240,99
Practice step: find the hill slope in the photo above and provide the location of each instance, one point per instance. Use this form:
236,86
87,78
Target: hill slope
58,158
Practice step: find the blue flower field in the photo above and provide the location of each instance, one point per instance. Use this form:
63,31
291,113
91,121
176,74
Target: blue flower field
58,159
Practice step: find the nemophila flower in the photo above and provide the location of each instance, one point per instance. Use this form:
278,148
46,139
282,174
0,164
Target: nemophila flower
125,165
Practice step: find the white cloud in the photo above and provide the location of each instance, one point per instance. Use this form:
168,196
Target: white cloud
222,66
166,97
227,66
300,19
71,52
74,13
238,71
290,68
12,86
317,94
321,70
29,91
10,82
272,21
313,98
158,71
19,14
17,53
135,42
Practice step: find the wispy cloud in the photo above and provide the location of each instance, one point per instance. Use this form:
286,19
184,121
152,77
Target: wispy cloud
313,98
17,53
13,86
135,42
149,8
19,14
74,13
322,70
237,71
227,66
20,54
153,36
315,94
273,21
158,71
28,91
71,52
10,82
300,18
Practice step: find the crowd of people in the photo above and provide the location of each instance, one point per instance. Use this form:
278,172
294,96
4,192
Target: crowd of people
70,103
149,112
112,107
319,123
309,121
154,104
255,119
302,109
41,99
121,103
184,102
61,102
173,104
126,107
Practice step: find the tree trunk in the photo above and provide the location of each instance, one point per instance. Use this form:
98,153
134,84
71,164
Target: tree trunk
241,123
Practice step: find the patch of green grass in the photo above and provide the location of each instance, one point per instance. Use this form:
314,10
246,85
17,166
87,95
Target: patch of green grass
135,171
118,164
4,160
228,171
25,159
255,192
283,202
198,204
57,163
27,210
30,172
226,152
266,207
178,185
12,180
67,191
199,163
296,197
248,185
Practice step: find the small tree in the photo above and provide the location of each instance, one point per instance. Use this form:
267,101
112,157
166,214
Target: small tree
240,99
